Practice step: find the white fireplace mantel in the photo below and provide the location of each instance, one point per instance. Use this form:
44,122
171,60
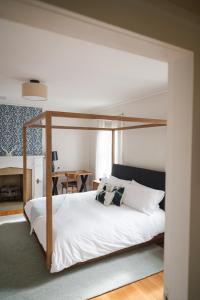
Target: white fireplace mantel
35,163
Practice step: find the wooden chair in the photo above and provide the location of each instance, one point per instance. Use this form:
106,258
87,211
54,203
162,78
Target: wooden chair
71,182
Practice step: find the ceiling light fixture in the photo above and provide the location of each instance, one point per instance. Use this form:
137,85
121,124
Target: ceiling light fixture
34,90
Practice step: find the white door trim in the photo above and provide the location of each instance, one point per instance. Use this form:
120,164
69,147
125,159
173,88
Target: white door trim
37,14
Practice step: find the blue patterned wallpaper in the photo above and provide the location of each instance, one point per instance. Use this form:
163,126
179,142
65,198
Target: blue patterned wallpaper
12,119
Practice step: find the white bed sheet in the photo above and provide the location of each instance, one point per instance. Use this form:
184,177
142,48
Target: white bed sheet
84,229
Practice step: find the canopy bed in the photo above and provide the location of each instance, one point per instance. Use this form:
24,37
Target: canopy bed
44,211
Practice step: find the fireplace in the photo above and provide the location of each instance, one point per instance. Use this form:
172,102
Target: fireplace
11,184
11,187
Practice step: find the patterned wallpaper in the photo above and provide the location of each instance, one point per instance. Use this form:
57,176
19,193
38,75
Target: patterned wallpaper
12,119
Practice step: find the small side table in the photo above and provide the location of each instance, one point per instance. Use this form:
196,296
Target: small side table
95,184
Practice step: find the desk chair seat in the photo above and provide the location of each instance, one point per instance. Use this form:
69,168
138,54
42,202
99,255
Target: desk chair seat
71,183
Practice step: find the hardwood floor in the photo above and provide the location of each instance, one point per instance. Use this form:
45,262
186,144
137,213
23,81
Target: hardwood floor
150,288
11,208
11,212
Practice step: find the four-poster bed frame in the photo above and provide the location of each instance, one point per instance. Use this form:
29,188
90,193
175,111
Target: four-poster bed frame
47,117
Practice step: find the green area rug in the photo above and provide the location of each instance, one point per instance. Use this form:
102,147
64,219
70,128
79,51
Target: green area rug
23,273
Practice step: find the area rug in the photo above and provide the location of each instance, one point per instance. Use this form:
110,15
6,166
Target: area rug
23,273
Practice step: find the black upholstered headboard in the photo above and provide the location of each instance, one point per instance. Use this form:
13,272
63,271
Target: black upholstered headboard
150,178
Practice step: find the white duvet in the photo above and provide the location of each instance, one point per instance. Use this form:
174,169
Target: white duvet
84,229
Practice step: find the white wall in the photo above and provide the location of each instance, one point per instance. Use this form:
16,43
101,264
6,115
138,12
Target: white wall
73,148
144,147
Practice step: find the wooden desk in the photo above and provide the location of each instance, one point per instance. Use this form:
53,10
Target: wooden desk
80,173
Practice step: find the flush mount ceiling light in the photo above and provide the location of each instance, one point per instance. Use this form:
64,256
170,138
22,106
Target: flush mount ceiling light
34,90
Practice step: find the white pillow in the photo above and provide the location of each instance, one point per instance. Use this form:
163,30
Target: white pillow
142,198
117,181
139,184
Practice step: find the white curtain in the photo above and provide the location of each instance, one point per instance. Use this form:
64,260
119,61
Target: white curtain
104,149
103,154
119,147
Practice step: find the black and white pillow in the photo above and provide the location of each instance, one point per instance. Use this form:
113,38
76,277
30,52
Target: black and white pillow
105,195
109,194
118,193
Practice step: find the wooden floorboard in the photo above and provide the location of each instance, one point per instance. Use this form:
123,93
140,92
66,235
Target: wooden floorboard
11,212
150,288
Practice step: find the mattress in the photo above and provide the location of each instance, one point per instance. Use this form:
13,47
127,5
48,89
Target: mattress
85,229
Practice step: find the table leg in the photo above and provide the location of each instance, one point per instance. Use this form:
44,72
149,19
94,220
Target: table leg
83,183
54,189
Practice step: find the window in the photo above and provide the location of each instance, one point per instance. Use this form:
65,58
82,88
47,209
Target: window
103,154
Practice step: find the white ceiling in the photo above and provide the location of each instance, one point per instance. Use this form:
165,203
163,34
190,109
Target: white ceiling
80,75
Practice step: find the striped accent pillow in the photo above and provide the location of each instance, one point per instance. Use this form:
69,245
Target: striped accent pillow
118,193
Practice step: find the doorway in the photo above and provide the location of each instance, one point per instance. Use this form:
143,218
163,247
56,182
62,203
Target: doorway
179,123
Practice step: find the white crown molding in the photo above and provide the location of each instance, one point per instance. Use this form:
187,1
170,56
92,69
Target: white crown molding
48,17
107,107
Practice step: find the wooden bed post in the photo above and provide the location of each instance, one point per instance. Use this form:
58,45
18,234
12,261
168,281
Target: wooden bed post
24,167
113,147
49,241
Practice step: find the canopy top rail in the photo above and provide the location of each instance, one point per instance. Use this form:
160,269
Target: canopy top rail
147,122
47,116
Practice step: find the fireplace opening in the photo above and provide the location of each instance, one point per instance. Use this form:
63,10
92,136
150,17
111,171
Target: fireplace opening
11,189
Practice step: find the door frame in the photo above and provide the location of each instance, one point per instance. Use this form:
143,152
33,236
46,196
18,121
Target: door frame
180,105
